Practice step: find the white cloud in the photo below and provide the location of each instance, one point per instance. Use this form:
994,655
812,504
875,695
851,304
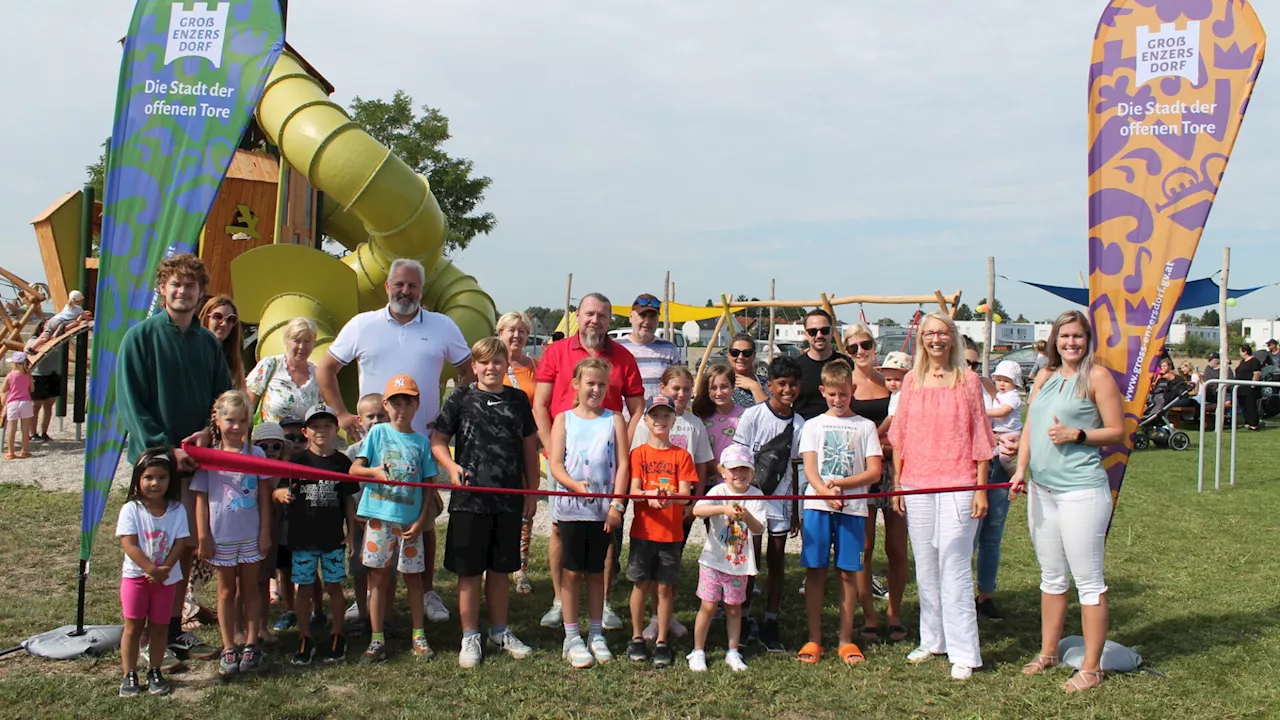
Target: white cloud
851,148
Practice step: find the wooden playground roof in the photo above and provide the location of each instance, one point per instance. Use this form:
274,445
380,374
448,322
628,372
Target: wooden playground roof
254,165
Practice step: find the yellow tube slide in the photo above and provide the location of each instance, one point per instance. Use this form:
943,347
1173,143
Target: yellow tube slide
376,205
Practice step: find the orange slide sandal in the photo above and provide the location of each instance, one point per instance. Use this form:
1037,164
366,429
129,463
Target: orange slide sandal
810,654
850,654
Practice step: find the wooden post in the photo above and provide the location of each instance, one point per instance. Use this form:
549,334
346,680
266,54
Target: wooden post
826,305
942,301
772,317
711,343
1224,362
987,333
568,295
666,305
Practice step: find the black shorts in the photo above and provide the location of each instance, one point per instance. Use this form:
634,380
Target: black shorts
46,387
583,545
480,542
657,561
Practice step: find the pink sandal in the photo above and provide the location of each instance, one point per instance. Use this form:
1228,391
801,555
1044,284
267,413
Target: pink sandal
1092,679
1040,664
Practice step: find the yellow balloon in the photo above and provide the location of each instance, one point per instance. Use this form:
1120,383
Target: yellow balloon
1231,302
997,318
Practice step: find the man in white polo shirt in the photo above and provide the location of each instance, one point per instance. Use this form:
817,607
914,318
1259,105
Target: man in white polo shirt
402,338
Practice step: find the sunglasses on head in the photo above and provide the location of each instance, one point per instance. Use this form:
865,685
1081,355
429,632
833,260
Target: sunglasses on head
647,303
740,352
220,318
865,345
272,445
815,332
293,438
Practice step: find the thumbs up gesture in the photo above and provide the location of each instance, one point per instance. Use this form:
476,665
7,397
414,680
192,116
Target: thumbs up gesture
1061,434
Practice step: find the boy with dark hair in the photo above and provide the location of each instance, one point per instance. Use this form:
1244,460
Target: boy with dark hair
496,446
323,520
772,430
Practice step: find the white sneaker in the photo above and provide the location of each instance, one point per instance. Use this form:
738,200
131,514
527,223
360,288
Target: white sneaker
677,630
650,632
600,649
471,653
919,655
554,617
576,652
697,661
508,643
610,620
352,614
734,660
436,611
961,672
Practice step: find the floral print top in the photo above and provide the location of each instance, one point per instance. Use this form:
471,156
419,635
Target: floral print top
281,396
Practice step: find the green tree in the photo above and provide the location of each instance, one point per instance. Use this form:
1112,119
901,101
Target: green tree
964,312
1185,319
1022,319
96,174
890,322
1210,318
417,141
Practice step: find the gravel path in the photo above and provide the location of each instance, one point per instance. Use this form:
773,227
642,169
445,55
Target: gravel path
58,466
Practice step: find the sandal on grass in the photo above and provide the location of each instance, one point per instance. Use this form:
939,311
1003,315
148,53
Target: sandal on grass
1084,680
897,633
523,586
1040,664
810,654
870,634
850,654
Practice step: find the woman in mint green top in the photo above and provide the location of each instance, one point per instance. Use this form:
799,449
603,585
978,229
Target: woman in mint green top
1074,409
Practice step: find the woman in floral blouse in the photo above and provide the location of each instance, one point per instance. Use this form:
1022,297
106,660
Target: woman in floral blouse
285,385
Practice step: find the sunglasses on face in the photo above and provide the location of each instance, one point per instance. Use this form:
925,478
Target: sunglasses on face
220,318
647,303
738,352
815,332
865,345
975,365
271,445
296,438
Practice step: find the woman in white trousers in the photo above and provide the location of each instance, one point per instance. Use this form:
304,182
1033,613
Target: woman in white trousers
942,438
1074,409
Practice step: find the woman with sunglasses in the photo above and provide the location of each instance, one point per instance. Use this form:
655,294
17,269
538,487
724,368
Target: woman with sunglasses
871,401
219,317
285,385
941,439
747,390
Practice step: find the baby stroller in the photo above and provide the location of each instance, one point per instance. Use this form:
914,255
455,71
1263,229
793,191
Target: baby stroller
1155,427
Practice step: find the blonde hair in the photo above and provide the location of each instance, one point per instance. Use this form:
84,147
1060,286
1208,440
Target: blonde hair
674,371
1084,386
702,406
854,330
513,318
955,362
228,402
837,373
488,348
586,364
300,326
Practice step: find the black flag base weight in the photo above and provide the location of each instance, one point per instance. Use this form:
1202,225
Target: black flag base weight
72,641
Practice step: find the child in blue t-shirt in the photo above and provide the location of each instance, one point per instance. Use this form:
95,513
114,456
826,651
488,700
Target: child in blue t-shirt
395,515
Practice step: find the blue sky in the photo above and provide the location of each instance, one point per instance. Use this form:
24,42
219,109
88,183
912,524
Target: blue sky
879,148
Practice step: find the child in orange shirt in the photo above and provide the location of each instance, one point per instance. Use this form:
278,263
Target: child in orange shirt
657,529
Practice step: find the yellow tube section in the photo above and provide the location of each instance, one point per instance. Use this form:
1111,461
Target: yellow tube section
279,310
391,201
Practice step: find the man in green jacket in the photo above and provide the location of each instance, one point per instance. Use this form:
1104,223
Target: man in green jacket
170,371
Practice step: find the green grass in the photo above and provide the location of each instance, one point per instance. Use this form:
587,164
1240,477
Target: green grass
1193,581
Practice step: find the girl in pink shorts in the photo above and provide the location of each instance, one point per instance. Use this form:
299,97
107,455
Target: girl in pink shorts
19,411
736,510
153,531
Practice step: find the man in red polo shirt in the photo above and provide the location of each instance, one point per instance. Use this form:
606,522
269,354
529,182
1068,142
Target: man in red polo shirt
555,394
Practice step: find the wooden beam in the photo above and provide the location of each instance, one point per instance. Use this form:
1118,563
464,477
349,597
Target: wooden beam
850,300
942,301
826,305
711,343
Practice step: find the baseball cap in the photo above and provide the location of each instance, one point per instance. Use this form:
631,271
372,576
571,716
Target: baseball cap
268,431
400,385
661,401
737,455
75,296
290,420
1214,356
1009,369
1272,341
645,301
896,360
320,410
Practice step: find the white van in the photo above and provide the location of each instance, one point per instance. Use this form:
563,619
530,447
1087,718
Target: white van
682,348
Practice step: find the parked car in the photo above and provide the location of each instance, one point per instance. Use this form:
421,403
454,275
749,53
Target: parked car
1026,359
893,339
535,346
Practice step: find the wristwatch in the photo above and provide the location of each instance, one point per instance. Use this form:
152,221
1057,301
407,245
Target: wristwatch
1081,437
619,506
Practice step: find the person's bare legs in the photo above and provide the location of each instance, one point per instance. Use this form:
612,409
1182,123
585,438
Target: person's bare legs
497,595
417,612
469,602
429,556
732,624
302,608
895,548
28,427
553,562
848,605
361,584
666,609
815,590
249,574
702,624
1094,619
1053,613
639,592
129,644
228,613
158,635
777,568
870,617
379,592
337,606
570,595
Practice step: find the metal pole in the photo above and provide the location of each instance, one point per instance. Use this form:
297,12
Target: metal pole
1221,414
666,305
82,342
991,311
1235,407
1201,396
568,294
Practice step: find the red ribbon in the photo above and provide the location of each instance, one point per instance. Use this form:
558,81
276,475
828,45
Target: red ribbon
212,459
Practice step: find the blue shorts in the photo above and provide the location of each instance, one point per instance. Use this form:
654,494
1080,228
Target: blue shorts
333,566
823,530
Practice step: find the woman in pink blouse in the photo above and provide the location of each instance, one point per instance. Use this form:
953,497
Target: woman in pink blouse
942,438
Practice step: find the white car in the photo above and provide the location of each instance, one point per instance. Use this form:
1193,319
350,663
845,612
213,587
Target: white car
682,348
